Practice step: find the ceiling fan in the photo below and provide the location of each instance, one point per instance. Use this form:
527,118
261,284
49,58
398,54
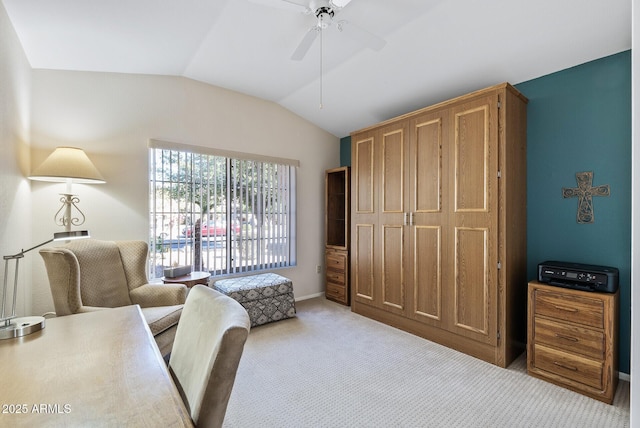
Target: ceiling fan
324,11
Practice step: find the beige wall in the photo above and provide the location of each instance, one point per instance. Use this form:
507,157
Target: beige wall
15,200
112,117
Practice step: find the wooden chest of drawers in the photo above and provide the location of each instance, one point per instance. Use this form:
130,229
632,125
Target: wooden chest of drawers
572,339
337,223
337,276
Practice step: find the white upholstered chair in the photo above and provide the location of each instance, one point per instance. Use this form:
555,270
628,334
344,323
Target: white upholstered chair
89,275
206,353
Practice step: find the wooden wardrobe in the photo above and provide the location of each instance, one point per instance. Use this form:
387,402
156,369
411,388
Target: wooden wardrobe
438,223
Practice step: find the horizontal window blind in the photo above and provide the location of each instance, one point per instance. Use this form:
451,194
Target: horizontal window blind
218,213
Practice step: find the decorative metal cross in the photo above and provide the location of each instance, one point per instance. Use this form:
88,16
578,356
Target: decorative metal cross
584,192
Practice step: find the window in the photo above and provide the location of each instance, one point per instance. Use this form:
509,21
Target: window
218,211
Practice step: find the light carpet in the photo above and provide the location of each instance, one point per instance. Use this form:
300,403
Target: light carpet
329,367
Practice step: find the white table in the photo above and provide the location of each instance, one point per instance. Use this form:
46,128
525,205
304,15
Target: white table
95,369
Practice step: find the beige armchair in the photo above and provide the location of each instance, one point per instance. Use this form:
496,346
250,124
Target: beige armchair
89,275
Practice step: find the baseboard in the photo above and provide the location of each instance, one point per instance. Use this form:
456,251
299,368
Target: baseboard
310,296
624,376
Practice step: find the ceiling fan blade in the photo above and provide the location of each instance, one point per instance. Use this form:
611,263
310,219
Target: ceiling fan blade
365,37
305,43
291,5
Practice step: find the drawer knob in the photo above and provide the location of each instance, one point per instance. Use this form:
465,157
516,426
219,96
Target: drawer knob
565,366
569,338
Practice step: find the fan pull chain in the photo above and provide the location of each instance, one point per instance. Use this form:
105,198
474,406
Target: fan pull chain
321,31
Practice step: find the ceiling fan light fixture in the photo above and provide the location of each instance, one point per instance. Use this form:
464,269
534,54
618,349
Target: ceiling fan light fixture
340,3
324,16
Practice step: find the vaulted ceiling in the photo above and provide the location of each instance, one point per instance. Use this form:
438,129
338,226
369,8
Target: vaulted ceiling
435,49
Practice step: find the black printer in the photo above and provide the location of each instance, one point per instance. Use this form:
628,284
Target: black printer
579,276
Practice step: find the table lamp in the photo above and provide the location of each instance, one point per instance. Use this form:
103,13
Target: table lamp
10,325
68,165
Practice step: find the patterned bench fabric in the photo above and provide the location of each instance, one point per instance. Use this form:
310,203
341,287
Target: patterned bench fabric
267,297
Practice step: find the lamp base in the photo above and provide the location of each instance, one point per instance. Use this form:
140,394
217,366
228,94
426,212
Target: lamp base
21,327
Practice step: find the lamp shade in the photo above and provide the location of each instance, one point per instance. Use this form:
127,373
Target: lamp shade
68,163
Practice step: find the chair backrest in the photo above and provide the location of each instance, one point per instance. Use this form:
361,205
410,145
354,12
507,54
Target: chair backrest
206,352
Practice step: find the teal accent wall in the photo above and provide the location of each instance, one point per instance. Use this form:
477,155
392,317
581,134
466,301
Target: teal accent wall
579,119
345,151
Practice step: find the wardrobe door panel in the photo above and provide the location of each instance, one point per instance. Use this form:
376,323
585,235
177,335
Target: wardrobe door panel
392,246
393,267
471,280
427,218
393,181
427,166
471,150
362,262
474,219
427,273
363,176
364,217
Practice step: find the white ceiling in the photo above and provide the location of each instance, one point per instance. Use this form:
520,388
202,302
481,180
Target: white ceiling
436,49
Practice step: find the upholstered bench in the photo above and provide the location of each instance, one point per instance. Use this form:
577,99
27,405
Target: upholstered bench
267,297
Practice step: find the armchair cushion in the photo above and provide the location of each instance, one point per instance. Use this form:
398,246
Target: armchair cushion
161,318
148,295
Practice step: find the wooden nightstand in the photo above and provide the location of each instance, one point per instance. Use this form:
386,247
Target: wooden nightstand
190,279
572,339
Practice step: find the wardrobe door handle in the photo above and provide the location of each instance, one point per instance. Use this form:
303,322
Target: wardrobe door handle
404,219
411,219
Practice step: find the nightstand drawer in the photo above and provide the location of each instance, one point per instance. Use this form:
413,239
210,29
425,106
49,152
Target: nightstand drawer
336,261
569,366
336,292
336,277
570,337
570,307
